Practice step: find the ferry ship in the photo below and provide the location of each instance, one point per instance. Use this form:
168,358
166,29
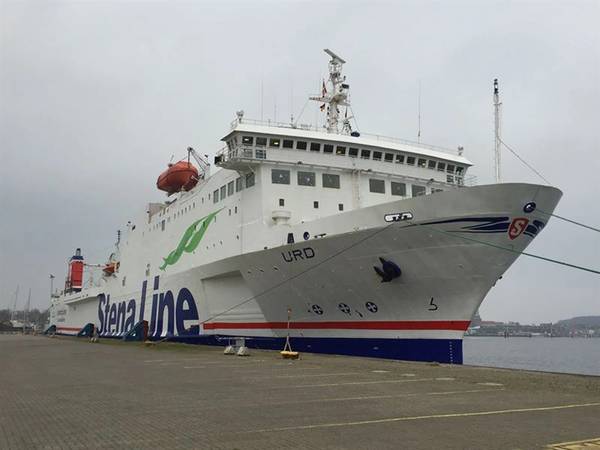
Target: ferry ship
348,243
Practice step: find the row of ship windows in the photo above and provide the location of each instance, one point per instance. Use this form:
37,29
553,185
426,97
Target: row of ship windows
160,224
279,176
329,180
353,152
240,183
234,186
304,179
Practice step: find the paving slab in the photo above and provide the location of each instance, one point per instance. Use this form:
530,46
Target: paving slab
67,393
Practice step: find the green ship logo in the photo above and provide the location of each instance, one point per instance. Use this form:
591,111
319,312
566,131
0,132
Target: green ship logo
190,239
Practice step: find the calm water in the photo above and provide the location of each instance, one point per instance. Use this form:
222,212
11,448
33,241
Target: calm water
567,355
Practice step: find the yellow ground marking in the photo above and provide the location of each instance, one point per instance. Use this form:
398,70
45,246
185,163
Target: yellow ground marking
433,416
586,444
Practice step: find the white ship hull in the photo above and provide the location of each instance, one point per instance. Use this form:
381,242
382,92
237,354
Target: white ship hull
452,252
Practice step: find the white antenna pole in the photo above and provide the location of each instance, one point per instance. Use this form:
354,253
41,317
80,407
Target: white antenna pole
13,316
497,140
261,100
419,112
26,312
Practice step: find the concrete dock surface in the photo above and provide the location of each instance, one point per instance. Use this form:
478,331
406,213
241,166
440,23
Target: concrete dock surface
67,393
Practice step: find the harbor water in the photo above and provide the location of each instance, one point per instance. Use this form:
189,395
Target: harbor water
566,355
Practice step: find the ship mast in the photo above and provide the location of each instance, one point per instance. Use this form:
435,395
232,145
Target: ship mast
497,140
13,315
338,96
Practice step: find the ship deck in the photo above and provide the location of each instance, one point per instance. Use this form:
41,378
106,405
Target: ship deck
68,393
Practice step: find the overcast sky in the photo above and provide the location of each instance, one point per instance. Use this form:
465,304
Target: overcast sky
95,97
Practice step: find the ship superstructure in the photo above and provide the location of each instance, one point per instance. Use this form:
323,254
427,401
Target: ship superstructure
377,246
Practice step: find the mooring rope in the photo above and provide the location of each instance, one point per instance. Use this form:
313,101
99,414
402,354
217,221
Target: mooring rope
570,221
380,230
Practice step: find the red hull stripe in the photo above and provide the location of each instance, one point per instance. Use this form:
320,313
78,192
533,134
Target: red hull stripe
67,329
458,325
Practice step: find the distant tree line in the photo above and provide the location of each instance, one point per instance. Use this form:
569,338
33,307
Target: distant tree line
34,316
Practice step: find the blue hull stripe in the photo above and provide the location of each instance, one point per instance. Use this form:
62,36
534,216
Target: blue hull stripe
439,350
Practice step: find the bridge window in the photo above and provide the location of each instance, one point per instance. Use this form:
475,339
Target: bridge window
301,145
261,141
250,180
239,185
279,176
261,153
410,160
400,159
431,164
274,142
365,154
441,167
315,147
327,148
223,192
421,162
377,156
353,152
287,143
247,140
340,150
331,180
418,190
215,196
399,189
459,171
306,178
230,188
389,157
377,186
450,168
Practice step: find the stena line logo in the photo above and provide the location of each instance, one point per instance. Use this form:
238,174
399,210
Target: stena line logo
190,239
517,226
170,314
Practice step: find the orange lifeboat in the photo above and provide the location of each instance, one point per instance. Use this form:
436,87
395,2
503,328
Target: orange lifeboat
179,176
110,267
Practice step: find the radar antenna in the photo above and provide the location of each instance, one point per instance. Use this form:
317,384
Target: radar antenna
338,96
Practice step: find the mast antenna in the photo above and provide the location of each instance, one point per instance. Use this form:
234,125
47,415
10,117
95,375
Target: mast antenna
14,311
338,96
497,139
419,114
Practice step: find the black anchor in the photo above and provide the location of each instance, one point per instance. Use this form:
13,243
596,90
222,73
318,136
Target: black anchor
389,270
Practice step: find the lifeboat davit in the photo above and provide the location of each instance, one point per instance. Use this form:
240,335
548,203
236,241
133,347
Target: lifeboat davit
181,176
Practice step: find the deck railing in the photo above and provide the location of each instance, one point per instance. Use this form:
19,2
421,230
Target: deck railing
243,153
309,127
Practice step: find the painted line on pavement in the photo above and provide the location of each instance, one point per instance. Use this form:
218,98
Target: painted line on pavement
355,383
383,397
433,416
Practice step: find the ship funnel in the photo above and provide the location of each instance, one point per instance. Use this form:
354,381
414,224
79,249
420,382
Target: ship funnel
74,281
